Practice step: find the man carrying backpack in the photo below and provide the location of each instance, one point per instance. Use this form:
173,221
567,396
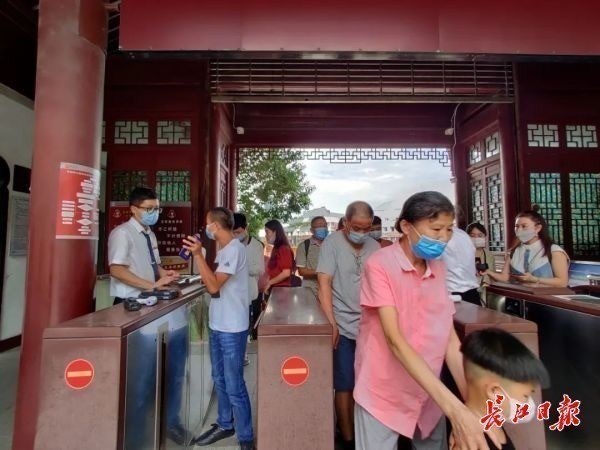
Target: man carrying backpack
256,266
307,253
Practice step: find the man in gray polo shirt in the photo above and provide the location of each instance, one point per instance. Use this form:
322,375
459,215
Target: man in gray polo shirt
307,253
343,255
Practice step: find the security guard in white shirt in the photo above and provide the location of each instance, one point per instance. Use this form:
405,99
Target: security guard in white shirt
461,276
133,250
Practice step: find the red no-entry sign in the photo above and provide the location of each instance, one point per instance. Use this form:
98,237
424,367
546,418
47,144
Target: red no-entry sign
79,374
295,371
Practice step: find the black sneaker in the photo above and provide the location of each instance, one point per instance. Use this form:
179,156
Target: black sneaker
177,434
216,433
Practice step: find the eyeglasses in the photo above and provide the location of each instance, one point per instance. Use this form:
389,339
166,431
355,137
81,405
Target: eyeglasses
150,209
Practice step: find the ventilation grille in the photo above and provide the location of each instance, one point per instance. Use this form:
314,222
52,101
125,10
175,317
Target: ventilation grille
340,81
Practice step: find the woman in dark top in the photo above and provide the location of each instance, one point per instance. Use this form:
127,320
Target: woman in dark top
483,259
478,235
281,263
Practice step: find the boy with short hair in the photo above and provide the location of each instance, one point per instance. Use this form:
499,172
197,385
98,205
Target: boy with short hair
502,374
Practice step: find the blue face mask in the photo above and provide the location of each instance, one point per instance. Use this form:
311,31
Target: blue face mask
149,218
321,233
375,234
357,238
428,248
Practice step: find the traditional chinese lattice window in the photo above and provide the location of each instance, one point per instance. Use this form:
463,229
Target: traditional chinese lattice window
492,145
539,135
173,185
487,204
475,154
585,213
486,197
545,190
131,132
477,202
484,149
581,136
495,213
123,182
174,132
570,204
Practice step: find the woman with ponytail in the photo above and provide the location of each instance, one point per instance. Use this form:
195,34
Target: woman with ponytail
534,258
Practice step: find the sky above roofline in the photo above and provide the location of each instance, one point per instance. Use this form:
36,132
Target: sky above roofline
385,185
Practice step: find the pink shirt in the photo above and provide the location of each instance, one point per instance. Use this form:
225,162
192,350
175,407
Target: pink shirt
383,387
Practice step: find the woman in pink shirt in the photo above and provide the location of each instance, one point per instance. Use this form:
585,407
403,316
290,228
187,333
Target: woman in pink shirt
406,334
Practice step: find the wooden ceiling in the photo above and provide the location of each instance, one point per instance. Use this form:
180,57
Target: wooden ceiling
18,41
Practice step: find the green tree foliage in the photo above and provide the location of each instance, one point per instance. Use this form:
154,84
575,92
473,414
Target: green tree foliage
271,185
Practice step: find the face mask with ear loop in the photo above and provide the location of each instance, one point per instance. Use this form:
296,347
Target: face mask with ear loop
426,247
514,408
526,235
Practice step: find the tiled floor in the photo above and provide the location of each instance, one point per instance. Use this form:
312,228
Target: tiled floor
9,363
9,366
250,375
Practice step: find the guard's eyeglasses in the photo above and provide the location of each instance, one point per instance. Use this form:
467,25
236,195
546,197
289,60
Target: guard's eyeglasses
150,209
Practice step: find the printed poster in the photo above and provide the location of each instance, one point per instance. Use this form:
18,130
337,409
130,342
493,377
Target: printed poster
78,197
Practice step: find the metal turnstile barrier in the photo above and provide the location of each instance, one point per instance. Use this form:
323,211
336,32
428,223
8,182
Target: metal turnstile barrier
468,318
295,374
117,379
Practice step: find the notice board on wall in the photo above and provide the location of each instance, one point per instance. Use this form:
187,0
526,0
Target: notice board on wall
20,226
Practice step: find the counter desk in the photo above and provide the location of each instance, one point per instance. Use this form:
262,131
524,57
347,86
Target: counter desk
469,318
568,322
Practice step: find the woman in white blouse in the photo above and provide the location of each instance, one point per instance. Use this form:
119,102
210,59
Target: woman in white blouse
534,258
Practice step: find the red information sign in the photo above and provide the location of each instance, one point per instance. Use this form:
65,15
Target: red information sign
79,374
78,195
295,371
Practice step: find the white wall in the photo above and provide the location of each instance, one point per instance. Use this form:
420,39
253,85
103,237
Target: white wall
16,143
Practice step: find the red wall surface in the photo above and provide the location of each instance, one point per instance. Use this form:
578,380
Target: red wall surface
343,125
562,95
159,90
546,27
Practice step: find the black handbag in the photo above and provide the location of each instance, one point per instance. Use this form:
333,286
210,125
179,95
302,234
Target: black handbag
295,280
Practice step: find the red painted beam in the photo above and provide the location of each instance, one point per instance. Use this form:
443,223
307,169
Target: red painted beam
541,27
344,138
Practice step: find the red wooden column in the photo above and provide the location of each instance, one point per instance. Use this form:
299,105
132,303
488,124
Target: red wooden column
512,189
233,173
68,117
458,158
214,157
